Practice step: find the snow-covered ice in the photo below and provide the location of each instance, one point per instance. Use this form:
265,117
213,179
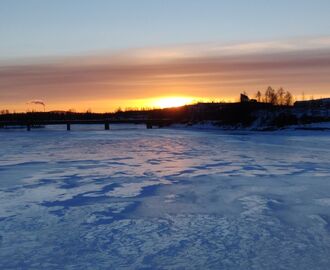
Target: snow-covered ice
132,198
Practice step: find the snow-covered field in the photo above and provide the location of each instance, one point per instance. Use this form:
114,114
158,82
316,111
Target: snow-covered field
132,198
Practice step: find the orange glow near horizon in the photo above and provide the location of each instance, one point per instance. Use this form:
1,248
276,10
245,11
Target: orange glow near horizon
109,105
112,105
165,77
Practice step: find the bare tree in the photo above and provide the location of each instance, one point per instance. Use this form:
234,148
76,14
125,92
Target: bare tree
270,96
280,96
4,111
118,110
288,99
258,96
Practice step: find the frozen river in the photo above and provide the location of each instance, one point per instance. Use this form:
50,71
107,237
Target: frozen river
132,198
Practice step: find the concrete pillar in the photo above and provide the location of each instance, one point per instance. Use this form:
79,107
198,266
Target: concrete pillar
149,126
106,126
68,126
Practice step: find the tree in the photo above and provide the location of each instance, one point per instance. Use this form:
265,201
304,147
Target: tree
270,96
4,112
288,99
280,96
258,96
119,110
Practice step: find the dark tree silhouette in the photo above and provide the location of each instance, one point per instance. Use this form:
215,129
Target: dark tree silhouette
280,96
4,111
270,96
288,99
258,96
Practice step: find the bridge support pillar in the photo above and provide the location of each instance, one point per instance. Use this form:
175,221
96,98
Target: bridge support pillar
106,126
68,127
149,125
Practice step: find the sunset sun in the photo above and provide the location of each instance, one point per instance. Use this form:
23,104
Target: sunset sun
169,102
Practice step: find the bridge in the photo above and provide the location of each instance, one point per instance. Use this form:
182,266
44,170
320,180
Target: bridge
150,123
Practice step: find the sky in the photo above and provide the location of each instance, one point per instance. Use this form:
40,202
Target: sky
104,54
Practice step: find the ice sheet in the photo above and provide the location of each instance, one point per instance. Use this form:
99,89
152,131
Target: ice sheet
132,198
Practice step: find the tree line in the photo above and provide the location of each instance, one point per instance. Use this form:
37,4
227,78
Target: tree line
279,97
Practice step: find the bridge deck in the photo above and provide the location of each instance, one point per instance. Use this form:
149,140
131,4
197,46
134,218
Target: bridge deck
106,122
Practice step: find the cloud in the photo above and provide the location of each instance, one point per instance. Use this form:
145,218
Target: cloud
209,70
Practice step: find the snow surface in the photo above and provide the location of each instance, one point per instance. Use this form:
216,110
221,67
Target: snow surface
132,198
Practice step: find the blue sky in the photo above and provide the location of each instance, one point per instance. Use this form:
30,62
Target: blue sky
64,27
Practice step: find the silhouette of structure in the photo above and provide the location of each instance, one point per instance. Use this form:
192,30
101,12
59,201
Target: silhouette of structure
240,114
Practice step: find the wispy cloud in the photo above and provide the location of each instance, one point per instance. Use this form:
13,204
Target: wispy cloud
209,70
